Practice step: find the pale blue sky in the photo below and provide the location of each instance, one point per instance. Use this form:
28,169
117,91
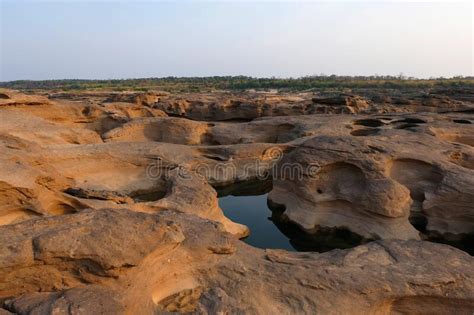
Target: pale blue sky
130,39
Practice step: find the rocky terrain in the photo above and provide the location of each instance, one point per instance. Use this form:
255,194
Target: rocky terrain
108,202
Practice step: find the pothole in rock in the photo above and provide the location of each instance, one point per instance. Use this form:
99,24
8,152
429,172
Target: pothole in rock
411,121
369,122
147,196
246,203
421,177
461,121
464,242
407,126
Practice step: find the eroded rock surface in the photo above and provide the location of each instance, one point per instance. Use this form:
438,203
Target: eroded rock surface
107,201
251,105
124,261
388,181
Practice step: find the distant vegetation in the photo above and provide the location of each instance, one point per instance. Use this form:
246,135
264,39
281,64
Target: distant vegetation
204,84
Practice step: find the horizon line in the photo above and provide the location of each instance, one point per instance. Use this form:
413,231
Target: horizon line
401,76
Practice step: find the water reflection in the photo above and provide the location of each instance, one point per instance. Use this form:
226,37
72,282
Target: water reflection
247,204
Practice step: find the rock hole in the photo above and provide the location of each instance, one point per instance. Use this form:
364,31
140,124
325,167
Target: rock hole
421,177
86,111
462,121
246,188
464,242
418,176
410,121
408,126
246,203
369,122
418,221
148,196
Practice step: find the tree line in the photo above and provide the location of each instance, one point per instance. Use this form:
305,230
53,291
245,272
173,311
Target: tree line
197,84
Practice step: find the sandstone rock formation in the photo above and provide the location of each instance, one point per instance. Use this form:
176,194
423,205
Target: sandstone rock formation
116,261
248,106
108,205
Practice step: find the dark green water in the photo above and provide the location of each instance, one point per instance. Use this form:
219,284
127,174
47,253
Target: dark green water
247,204
253,212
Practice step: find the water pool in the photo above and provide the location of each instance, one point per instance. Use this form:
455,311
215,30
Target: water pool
268,229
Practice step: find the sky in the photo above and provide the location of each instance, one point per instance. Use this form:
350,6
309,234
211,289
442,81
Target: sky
109,39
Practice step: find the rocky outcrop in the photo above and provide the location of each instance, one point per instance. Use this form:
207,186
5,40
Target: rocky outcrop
119,261
354,103
145,99
107,205
252,105
244,108
344,190
15,98
384,175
